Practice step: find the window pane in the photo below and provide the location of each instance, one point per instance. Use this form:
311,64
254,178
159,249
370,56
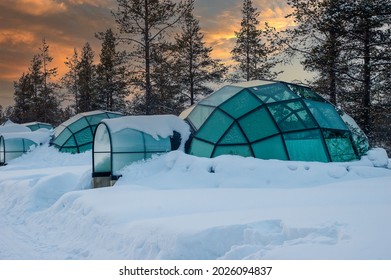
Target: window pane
221,95
292,116
120,160
128,140
305,92
241,104
78,125
306,146
153,145
271,148
339,146
84,136
234,136
14,145
2,159
102,162
62,137
201,148
200,113
240,150
273,93
102,139
258,125
85,147
215,126
326,115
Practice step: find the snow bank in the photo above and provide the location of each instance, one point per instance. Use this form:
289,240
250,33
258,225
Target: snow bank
177,206
38,136
9,126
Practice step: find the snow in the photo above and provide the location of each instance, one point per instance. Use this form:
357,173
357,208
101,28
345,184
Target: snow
9,127
156,126
177,206
38,136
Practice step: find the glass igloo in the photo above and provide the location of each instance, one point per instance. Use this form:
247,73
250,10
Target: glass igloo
76,134
272,120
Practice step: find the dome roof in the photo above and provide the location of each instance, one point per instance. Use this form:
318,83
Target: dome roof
272,120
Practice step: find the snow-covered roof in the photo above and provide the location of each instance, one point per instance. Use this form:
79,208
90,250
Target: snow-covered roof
10,126
39,136
156,125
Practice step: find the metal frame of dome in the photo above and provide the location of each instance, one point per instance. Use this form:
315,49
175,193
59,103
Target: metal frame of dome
272,120
76,134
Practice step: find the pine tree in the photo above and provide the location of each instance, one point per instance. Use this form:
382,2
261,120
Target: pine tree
251,52
36,97
70,80
111,74
144,24
86,81
196,68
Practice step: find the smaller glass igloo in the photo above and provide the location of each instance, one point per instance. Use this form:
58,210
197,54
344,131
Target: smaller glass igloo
15,144
76,134
121,141
37,125
272,120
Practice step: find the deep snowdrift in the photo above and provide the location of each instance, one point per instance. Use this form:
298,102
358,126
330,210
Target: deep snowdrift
177,206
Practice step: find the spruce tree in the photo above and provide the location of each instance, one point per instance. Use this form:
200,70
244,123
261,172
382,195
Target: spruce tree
196,69
70,81
86,81
111,74
251,52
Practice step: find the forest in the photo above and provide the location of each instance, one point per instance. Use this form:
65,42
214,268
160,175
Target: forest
155,61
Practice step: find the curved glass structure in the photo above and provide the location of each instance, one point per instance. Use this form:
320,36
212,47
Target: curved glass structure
120,142
76,134
11,148
272,120
37,125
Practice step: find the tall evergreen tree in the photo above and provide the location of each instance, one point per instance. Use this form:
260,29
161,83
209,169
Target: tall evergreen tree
193,59
111,74
144,24
251,52
36,96
70,80
86,81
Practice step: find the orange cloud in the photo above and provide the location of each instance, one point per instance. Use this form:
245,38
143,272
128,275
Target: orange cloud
39,7
15,37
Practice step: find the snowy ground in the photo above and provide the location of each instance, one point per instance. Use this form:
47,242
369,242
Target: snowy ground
176,206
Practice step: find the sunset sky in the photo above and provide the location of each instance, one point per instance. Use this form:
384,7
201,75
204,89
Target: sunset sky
69,24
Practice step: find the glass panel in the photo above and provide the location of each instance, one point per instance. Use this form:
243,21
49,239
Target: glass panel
305,146
14,145
72,150
215,126
84,136
102,139
28,145
218,97
62,137
12,155
292,116
95,119
102,162
258,125
85,147
339,146
241,104
360,140
128,140
2,158
120,160
271,148
201,148
234,136
153,145
239,150
114,115
306,92
200,113
326,115
70,143
273,93
78,125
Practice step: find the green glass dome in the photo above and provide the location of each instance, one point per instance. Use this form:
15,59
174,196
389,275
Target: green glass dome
76,134
273,120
